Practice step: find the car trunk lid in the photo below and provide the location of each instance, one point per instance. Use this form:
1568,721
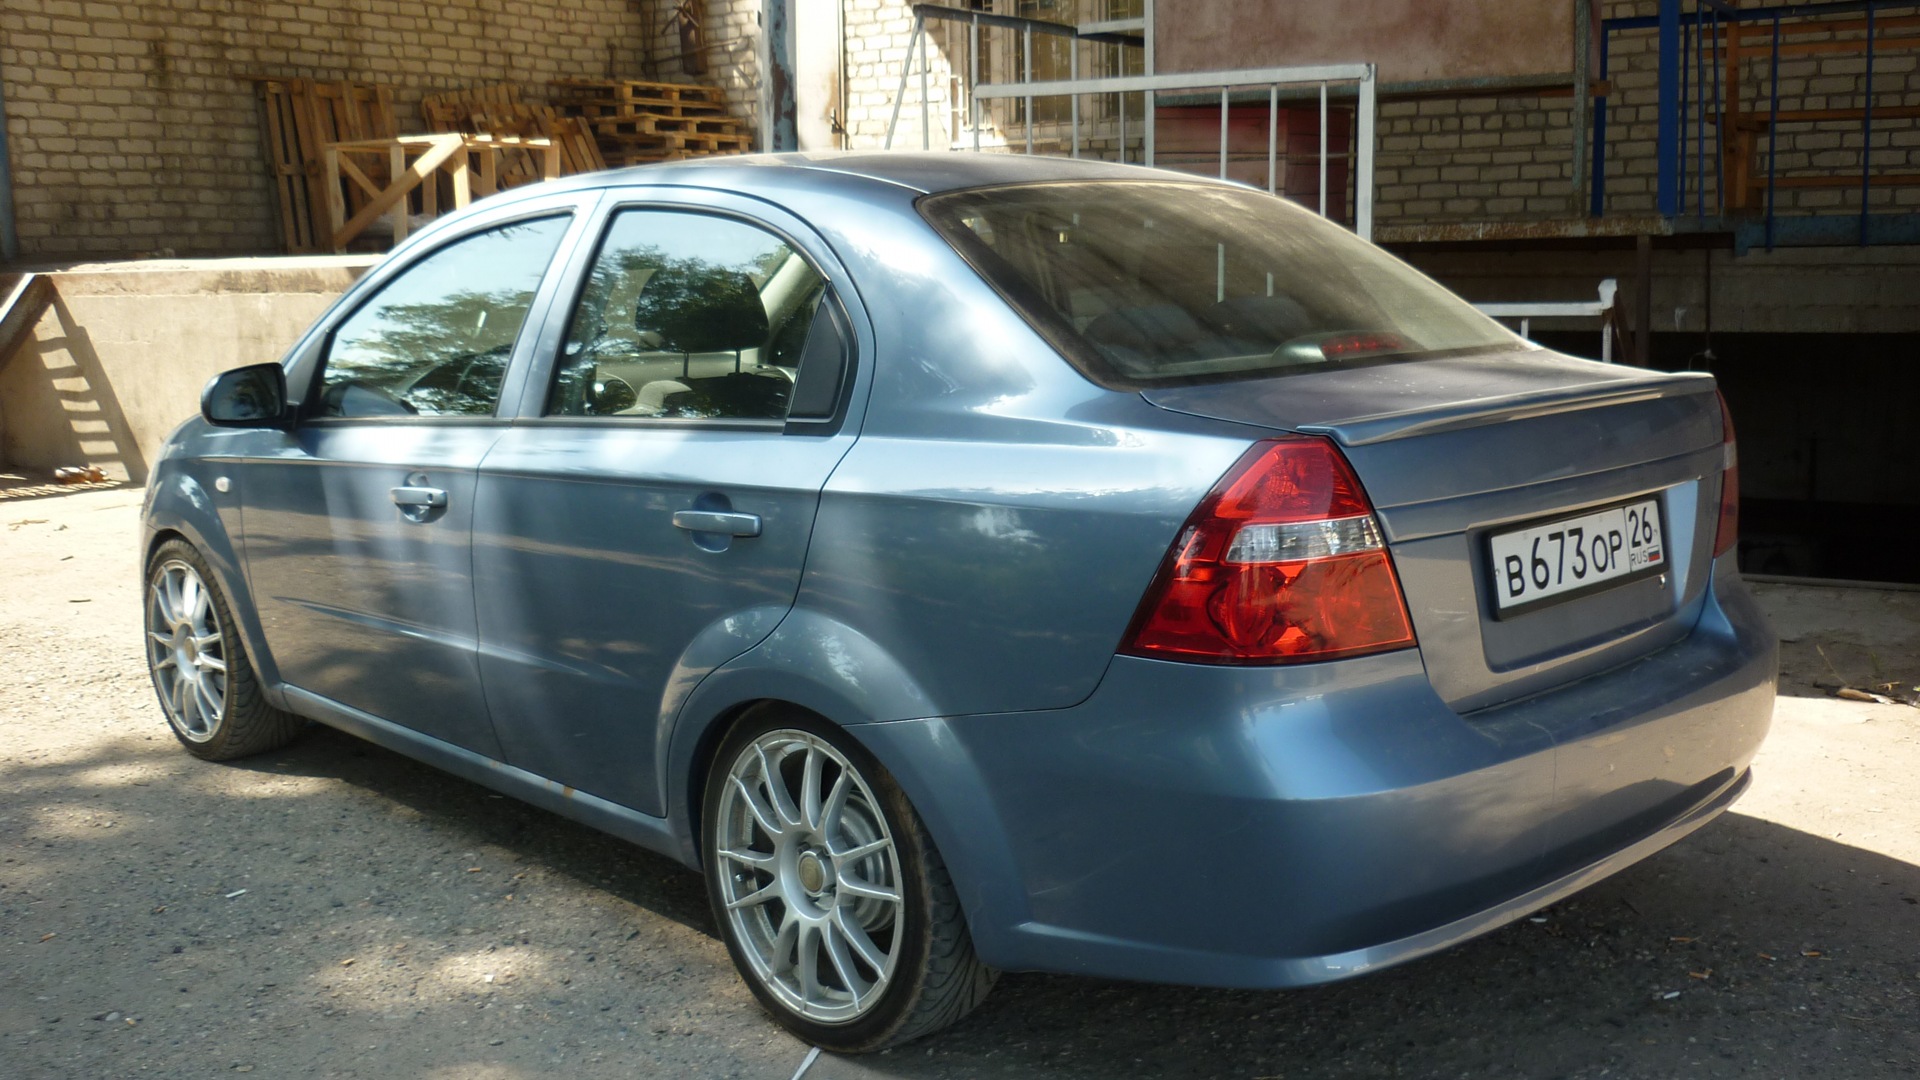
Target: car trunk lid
1454,451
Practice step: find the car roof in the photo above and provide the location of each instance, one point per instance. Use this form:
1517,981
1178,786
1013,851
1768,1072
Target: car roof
916,172
924,171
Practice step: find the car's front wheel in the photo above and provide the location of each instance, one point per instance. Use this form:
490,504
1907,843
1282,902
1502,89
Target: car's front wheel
832,899
199,665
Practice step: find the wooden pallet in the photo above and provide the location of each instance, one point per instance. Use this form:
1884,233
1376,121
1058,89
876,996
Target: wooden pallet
453,110
302,117
661,125
626,158
500,110
603,110
708,144
471,163
579,150
641,122
632,91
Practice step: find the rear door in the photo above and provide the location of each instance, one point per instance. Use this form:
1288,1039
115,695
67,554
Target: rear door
358,525
648,517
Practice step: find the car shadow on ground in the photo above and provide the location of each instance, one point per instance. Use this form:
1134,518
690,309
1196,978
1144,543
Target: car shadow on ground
1747,950
1709,958
652,881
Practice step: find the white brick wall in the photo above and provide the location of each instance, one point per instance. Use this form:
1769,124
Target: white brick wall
131,128
732,53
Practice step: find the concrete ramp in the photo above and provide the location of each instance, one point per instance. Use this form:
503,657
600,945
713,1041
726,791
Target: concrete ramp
99,363
22,298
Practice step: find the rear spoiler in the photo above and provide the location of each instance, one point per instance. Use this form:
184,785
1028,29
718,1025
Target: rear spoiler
1477,412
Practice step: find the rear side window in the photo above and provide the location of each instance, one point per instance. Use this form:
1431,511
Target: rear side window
1156,284
689,316
435,340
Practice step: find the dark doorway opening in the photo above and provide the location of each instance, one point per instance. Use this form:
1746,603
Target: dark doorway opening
1829,446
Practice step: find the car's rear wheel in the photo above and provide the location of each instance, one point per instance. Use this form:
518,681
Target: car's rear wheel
832,899
199,665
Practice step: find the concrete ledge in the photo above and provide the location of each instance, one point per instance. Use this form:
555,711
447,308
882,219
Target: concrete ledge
117,358
198,277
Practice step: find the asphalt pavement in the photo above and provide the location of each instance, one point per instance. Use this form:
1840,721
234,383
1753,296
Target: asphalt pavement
335,910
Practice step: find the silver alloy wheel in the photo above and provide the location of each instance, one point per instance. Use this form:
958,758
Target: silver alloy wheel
186,651
810,880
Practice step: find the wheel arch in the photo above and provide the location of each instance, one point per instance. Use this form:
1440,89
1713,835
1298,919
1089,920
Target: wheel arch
832,672
807,662
181,509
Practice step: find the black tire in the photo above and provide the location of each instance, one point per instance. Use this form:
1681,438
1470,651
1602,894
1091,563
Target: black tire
935,977
240,723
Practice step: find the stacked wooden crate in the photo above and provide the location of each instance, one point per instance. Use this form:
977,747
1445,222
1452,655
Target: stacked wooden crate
302,117
498,110
638,122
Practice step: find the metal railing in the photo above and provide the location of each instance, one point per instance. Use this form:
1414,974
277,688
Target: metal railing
1117,33
1274,80
1601,309
1281,83
1707,138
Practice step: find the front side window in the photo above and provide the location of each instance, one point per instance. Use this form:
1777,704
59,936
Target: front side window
435,340
688,316
1157,284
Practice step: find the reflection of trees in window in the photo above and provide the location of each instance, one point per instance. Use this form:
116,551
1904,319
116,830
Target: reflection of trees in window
439,336
672,292
616,292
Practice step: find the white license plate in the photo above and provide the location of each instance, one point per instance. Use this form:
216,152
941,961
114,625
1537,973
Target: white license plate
1577,553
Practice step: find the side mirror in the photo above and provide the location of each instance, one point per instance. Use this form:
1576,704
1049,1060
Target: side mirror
253,396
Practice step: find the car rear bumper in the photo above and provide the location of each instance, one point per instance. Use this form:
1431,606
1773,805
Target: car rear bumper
1286,826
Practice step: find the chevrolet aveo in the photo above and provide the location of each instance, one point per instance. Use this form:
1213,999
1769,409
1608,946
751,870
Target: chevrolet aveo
973,563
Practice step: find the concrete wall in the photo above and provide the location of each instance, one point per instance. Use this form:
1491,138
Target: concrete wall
1789,290
118,359
1410,40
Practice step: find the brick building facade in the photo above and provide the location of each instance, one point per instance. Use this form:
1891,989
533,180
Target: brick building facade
134,127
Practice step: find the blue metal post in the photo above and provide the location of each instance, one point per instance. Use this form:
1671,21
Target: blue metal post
1866,135
1686,99
1698,61
1600,135
1720,116
1667,134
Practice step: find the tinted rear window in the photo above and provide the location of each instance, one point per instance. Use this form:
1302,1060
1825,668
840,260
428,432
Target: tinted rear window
1160,283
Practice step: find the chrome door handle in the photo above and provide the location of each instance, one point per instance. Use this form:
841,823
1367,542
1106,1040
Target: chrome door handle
717,521
421,498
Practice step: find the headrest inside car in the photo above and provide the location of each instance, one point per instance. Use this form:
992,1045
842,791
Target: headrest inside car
1145,329
701,310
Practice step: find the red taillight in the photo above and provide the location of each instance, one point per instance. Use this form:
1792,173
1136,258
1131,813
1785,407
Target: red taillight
1281,563
1347,345
1728,537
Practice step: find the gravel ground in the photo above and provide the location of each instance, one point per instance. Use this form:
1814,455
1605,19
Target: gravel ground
336,910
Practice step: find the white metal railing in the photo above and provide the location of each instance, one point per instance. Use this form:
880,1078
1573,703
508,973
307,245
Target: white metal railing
1601,309
1274,80
1116,32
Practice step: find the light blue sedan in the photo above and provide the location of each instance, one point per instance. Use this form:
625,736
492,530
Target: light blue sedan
974,563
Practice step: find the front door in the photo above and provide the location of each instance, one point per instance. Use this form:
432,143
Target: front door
651,522
358,528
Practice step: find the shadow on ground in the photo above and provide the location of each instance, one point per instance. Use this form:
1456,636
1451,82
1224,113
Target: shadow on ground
442,930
